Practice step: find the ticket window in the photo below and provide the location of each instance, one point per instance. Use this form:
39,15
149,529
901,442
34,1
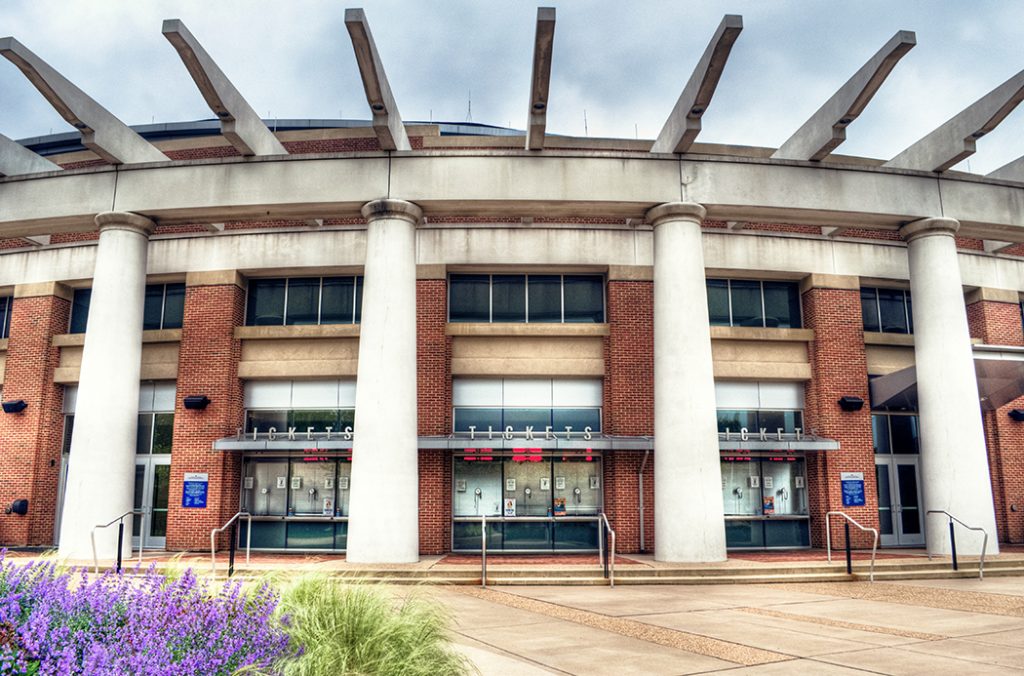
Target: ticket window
527,480
577,486
783,488
312,488
741,486
478,489
265,488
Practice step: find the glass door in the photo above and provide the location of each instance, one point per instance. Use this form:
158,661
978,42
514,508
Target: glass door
152,483
900,514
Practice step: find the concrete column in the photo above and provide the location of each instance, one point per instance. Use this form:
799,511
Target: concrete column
954,465
384,500
689,520
101,475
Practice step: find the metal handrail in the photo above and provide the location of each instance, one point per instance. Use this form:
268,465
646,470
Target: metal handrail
483,550
213,540
952,540
600,546
828,539
92,537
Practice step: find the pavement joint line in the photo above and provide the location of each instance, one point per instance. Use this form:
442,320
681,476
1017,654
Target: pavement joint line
842,624
736,653
986,603
507,653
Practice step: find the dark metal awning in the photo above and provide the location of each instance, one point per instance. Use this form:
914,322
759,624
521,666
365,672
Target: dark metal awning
1000,372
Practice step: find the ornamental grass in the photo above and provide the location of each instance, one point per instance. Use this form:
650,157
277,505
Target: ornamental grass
54,621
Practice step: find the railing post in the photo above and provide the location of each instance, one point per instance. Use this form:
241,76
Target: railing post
849,558
231,549
120,542
952,543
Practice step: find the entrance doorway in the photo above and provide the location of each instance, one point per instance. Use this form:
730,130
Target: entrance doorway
152,483
900,516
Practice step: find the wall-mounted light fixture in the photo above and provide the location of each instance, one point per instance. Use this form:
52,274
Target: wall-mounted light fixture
15,406
1017,414
197,402
851,403
19,507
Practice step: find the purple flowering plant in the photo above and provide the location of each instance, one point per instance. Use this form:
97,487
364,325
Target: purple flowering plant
146,624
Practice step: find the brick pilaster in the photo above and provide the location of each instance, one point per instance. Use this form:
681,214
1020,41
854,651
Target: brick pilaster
207,364
839,368
30,441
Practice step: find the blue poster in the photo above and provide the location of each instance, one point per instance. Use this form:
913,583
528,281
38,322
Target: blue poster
853,488
193,493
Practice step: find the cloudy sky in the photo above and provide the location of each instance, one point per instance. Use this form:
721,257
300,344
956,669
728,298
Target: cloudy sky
618,65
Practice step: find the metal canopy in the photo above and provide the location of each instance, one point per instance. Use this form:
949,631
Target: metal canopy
1000,375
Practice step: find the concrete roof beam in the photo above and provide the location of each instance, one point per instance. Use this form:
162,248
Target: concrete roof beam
387,123
826,129
104,134
1012,171
683,123
957,138
240,124
16,159
540,81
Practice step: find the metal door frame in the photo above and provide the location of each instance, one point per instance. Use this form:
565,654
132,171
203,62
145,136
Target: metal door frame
898,538
150,463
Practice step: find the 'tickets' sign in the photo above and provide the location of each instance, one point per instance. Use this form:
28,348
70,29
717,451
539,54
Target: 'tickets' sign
193,493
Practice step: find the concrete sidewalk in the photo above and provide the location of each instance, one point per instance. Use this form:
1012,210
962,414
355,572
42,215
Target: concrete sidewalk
956,626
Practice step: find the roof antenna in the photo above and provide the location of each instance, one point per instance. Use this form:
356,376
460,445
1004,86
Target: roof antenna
469,107
586,131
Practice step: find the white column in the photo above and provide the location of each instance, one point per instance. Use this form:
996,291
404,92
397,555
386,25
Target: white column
954,463
689,520
101,474
383,524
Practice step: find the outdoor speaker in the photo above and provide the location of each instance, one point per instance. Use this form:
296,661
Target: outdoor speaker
1017,414
197,402
851,403
16,406
19,507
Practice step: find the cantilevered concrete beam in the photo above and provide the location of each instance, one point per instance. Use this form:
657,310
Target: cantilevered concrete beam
387,123
997,246
239,123
826,129
16,159
543,43
683,123
957,138
104,134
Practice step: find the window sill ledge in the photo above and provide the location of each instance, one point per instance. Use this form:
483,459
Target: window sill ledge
153,336
879,338
3,344
760,333
498,329
307,331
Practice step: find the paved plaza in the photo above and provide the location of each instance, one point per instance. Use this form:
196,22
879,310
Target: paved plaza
957,626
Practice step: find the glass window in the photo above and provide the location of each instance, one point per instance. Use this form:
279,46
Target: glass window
164,306
740,497
144,434
895,433
718,302
869,309
303,301
545,298
523,476
577,486
521,418
174,306
880,433
6,308
739,302
577,418
263,420
479,418
508,298
772,421
477,487
80,310
887,310
519,298
163,432
733,421
469,298
312,488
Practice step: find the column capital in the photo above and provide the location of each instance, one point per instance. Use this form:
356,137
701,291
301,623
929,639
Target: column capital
929,226
391,208
675,211
125,220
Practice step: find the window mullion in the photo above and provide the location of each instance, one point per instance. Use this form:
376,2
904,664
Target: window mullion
526,296
320,301
284,310
561,290
490,299
728,293
764,312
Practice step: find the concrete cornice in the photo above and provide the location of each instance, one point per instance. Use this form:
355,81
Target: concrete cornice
992,295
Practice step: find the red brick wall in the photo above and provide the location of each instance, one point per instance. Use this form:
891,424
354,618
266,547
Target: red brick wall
839,368
207,364
435,501
995,323
1005,442
31,440
629,408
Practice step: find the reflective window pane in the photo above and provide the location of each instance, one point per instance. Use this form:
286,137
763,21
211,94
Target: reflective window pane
884,499
893,311
359,298
312,488
718,302
521,418
319,420
577,418
478,487
746,303
161,490
523,483
479,418
904,433
336,302
469,298
153,308
910,513
584,298
144,434
262,421
80,310
734,421
303,301
163,432
174,306
869,309
508,298
545,298
739,496
266,303
580,481
880,433
782,305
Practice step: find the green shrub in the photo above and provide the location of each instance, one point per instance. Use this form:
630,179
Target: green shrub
362,629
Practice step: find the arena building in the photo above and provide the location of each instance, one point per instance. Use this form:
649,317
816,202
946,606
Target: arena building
369,335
